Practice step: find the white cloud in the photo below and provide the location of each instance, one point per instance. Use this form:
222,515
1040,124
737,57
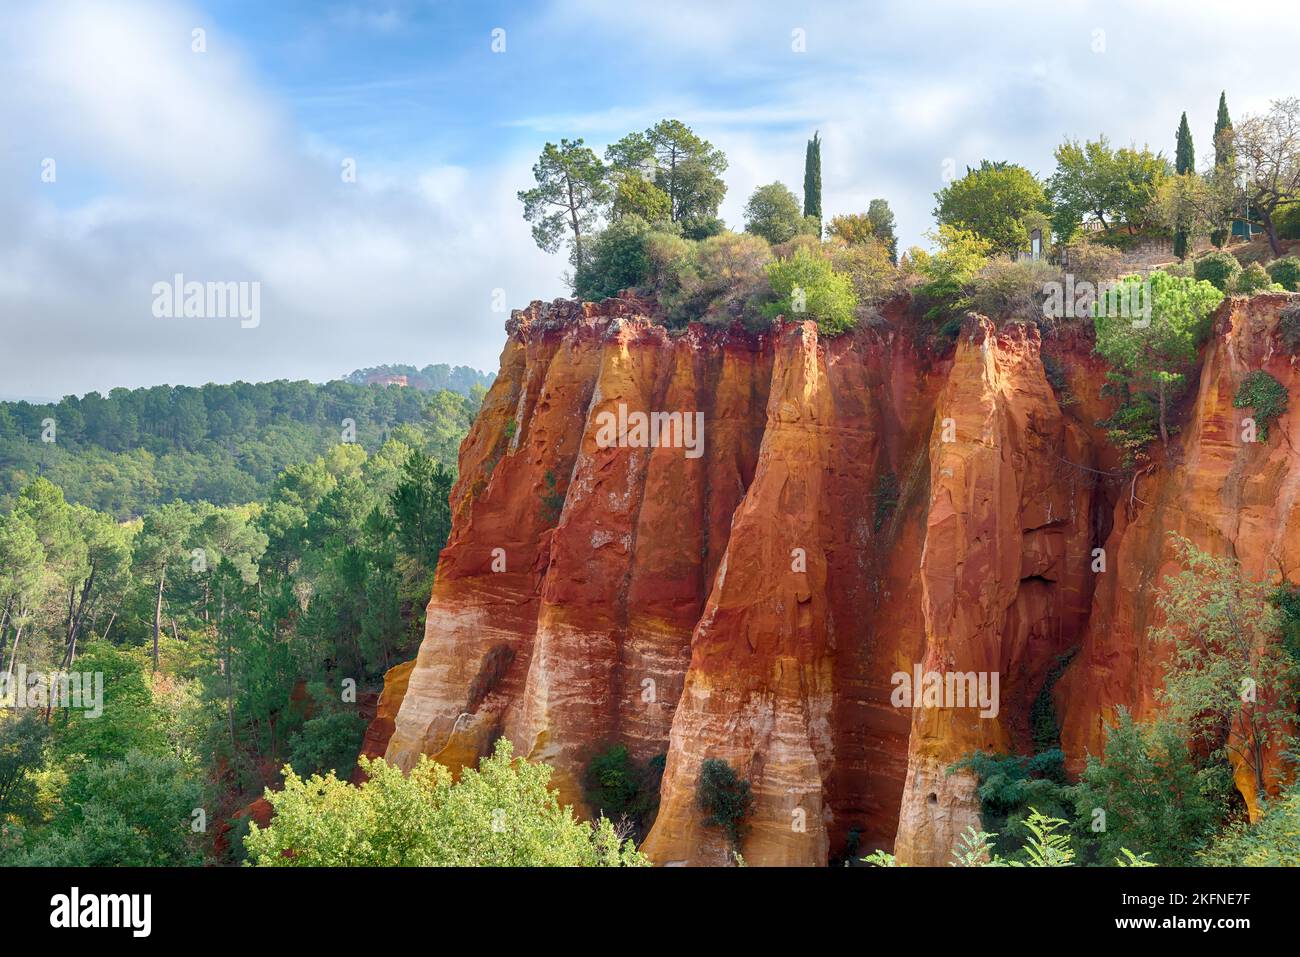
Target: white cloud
171,162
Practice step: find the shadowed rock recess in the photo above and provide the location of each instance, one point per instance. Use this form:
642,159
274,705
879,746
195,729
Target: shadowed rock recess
861,506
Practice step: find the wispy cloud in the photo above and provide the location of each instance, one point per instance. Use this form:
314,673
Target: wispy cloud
227,164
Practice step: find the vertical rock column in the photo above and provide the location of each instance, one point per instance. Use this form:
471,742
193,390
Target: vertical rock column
482,615
1004,572
759,691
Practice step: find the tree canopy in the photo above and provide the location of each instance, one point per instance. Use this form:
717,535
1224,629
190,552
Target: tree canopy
992,201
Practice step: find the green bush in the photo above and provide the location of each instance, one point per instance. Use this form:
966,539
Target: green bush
1010,783
725,797
1285,272
1265,396
1148,794
611,781
1253,279
1274,841
1092,262
1047,846
616,261
702,227
948,275
1006,289
328,743
718,280
806,286
1287,221
132,812
502,814
617,786
868,266
1218,268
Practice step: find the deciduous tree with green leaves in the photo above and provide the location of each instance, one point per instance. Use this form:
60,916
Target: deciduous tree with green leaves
1113,186
992,201
773,213
1228,679
1266,148
1155,798
500,814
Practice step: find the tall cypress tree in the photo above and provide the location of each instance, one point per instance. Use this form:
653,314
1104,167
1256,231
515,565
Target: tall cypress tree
1222,155
1184,163
1222,125
812,180
1185,157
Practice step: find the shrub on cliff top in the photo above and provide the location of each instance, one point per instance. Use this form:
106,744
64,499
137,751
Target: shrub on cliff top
808,287
1285,272
716,280
329,742
868,266
1253,279
1220,269
1006,289
949,273
726,797
1093,262
616,260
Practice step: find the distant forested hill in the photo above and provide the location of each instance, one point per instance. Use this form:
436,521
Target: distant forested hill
225,444
460,379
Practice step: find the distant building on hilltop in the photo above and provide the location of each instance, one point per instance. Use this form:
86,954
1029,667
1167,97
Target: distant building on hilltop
433,378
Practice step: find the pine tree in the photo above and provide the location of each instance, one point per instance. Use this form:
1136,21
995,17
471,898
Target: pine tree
1184,164
1222,154
812,180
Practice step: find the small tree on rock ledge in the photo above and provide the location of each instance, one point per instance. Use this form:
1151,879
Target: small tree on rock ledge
726,797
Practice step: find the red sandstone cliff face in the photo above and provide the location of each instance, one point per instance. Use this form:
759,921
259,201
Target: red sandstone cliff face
1227,495
859,508
1005,571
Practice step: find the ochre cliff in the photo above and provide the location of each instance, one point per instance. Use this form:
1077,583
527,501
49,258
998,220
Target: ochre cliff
1228,496
859,507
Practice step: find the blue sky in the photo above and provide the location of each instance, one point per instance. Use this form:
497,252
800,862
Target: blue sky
224,165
